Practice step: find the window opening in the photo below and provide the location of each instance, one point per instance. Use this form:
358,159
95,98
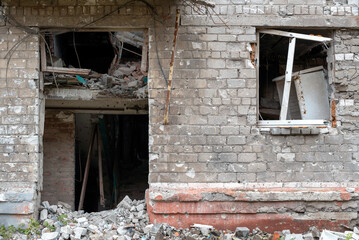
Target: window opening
293,77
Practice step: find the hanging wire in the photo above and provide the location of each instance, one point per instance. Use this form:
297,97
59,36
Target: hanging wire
51,60
74,43
156,48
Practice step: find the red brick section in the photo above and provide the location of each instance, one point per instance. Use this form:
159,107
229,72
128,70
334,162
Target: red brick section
187,207
59,158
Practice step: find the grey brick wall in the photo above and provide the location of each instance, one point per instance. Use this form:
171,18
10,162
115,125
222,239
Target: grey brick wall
215,122
212,136
20,135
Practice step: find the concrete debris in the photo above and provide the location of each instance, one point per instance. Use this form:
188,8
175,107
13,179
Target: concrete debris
129,220
308,236
330,235
50,235
315,232
205,229
242,232
43,214
294,237
64,205
127,81
46,204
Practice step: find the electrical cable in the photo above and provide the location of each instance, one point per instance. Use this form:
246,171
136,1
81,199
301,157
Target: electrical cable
74,43
156,49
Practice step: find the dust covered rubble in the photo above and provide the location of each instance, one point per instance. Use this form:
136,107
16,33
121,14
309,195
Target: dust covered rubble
128,80
129,220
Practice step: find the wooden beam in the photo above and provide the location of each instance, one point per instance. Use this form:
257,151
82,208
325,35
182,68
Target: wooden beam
288,79
333,114
169,87
43,55
144,52
100,175
87,169
72,71
295,35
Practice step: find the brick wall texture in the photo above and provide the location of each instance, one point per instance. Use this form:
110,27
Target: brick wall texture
59,158
212,146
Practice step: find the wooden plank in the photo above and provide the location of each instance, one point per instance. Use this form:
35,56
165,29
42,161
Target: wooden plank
288,79
295,35
72,71
87,169
169,87
144,52
100,175
333,114
43,55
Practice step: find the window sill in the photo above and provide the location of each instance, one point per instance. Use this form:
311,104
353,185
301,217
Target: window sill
293,127
293,123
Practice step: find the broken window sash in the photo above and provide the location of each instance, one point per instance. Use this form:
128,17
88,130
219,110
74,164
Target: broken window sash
290,60
296,35
288,79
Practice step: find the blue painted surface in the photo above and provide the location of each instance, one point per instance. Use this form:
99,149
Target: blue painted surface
18,197
14,220
16,208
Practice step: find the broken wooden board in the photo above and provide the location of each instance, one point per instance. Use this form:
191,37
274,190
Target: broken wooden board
73,71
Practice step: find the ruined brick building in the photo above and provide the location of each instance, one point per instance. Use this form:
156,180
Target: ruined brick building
263,123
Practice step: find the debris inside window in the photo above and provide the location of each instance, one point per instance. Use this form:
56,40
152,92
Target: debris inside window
293,75
113,63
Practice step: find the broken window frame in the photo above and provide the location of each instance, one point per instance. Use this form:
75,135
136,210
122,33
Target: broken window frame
283,122
84,71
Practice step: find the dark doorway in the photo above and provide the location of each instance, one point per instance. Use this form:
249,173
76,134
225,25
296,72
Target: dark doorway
124,158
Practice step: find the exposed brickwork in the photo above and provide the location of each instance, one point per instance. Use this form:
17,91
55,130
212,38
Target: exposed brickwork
212,136
59,158
20,137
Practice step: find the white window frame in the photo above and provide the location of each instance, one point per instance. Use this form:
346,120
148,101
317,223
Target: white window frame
283,122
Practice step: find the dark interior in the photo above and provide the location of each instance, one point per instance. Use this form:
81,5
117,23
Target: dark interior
124,157
94,50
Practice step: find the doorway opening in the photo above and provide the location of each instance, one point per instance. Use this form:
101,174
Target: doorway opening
121,142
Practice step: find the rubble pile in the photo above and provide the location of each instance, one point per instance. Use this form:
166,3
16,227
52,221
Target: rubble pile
130,221
127,80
